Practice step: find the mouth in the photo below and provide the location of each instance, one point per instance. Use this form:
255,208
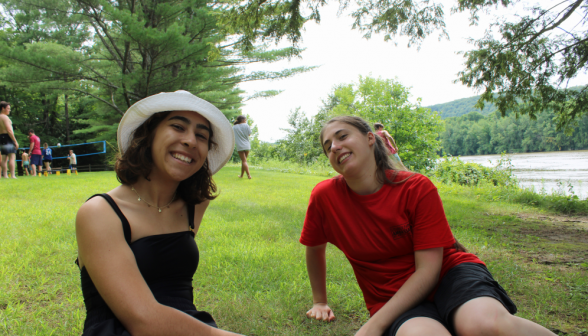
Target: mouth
343,157
182,158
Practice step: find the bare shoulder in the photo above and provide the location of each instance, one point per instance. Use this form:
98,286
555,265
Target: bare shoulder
202,206
5,119
96,218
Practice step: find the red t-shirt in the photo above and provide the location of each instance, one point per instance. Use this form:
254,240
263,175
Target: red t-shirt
35,140
379,233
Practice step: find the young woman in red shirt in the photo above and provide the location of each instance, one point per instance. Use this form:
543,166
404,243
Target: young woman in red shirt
416,279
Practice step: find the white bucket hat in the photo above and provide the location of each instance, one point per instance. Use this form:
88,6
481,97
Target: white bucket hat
181,100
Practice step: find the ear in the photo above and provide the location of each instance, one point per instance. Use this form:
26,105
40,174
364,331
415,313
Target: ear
371,138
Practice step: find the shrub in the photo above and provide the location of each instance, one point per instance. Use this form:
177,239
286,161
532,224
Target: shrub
453,170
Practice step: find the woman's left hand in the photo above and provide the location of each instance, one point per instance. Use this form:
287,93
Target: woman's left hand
369,329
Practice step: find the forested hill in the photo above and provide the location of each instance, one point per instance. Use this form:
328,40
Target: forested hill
474,134
460,107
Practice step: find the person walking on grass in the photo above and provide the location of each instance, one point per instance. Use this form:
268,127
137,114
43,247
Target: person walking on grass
8,143
415,277
25,162
136,249
35,152
47,157
73,162
388,141
242,133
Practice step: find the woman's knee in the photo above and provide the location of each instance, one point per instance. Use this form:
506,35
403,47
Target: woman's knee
419,326
482,316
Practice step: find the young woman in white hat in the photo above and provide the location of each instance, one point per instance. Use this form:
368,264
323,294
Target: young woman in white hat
416,279
136,247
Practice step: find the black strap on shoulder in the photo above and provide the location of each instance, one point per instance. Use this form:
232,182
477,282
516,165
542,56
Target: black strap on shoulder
191,215
123,219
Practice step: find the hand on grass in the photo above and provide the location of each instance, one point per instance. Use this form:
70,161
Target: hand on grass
321,312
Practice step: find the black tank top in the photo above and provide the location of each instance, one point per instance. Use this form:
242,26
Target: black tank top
166,261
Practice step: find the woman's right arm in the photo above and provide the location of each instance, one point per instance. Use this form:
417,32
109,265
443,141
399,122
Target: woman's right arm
316,265
112,266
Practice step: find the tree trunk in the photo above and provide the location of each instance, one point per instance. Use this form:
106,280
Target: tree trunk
66,121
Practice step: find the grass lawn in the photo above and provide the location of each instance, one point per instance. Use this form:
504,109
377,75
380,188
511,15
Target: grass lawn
252,274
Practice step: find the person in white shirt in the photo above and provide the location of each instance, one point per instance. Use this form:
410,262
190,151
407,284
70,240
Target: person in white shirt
73,162
242,133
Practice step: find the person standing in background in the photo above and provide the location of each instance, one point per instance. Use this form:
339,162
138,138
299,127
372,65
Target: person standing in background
8,143
35,152
388,141
242,133
73,162
25,162
47,157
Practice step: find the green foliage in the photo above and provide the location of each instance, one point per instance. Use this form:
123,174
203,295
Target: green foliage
453,170
459,107
473,134
120,52
301,143
414,128
526,67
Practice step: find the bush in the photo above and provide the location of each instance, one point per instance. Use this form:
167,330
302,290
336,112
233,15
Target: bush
453,170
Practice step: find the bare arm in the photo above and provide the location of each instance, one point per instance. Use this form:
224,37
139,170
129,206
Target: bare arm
415,289
316,265
391,140
113,269
32,146
199,210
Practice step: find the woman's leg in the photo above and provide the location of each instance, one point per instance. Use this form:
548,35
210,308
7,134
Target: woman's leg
419,326
244,166
487,316
48,167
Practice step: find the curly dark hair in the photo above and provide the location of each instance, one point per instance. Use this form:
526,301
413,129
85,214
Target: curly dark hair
137,161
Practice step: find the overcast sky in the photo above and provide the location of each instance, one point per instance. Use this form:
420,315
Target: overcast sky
343,55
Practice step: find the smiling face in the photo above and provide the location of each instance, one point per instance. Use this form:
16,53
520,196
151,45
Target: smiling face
349,151
180,145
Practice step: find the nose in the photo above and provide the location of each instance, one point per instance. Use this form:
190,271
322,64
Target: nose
335,146
190,140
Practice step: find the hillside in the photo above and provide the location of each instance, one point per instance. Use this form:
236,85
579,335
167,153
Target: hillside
459,107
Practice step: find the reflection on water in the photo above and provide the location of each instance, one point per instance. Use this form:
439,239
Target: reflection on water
552,171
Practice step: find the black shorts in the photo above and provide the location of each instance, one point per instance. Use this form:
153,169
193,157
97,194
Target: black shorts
6,144
49,160
461,284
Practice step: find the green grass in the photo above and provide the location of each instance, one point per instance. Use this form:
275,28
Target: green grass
252,274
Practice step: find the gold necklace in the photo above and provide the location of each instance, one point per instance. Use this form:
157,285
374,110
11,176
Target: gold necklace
151,205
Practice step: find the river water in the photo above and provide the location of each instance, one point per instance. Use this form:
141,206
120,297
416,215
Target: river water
551,171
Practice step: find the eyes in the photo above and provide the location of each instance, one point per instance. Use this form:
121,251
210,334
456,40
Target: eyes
340,137
181,128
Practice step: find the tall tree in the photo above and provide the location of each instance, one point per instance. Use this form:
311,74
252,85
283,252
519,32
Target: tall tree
415,128
121,51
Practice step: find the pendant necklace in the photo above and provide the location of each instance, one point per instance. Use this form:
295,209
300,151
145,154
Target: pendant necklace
151,205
